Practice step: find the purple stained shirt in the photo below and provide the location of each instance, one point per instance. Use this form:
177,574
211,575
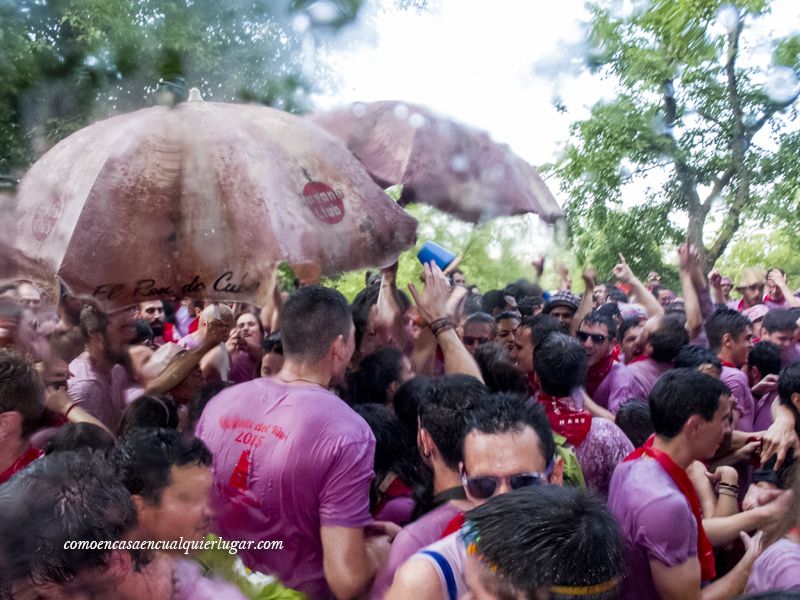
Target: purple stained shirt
636,382
655,520
778,568
763,411
287,460
617,375
603,449
744,403
101,396
397,510
412,538
191,584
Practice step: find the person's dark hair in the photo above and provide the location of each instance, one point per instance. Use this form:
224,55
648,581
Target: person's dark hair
481,317
543,536
691,357
392,455
681,393
525,289
668,339
498,373
657,289
766,356
610,310
779,319
530,303
93,321
272,343
203,397
560,363
506,315
472,304
67,344
510,413
74,436
144,457
625,326
149,411
144,333
788,384
21,390
596,317
443,412
407,400
617,295
493,299
311,319
376,372
62,497
634,419
724,320
541,326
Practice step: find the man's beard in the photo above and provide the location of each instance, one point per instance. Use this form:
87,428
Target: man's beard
157,326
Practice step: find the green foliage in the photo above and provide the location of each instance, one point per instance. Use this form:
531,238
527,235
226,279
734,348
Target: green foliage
495,253
690,130
66,63
778,249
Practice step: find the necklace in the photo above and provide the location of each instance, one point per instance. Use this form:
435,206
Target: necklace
296,379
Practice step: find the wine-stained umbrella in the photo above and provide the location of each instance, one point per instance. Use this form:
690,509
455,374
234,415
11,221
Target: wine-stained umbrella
202,200
456,168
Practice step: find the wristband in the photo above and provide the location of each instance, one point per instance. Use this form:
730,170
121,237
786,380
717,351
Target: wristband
727,492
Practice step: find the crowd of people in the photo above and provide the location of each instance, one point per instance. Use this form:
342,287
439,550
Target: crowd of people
630,442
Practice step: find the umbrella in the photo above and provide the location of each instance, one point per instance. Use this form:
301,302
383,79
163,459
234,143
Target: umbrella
202,200
441,162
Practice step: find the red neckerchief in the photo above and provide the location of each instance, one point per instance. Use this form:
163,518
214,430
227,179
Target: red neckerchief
454,525
727,363
396,489
571,423
597,373
705,551
30,455
615,352
639,358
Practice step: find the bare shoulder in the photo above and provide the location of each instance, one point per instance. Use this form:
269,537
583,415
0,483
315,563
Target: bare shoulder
417,578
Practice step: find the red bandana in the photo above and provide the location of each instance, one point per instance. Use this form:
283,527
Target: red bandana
727,363
454,525
30,455
571,423
597,373
636,359
705,551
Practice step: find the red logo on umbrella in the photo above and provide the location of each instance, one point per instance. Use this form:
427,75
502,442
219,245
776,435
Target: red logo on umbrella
324,202
44,221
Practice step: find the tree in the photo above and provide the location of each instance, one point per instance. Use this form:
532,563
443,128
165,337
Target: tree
69,62
690,112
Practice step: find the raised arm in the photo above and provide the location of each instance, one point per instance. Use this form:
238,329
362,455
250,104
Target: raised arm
691,301
587,300
624,274
432,307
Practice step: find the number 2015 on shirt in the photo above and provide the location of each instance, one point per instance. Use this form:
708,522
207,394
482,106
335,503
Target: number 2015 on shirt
248,439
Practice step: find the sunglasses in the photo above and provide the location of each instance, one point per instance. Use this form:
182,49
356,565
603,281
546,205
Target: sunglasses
597,338
482,487
469,340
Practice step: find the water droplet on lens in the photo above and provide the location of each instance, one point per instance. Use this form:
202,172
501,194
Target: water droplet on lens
459,163
781,84
416,120
401,111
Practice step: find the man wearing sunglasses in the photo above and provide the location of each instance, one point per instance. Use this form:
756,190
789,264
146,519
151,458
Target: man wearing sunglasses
509,445
479,328
596,334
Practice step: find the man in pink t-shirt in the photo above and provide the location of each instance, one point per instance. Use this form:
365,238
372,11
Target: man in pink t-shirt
293,463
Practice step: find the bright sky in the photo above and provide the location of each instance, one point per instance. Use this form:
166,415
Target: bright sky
499,65
474,60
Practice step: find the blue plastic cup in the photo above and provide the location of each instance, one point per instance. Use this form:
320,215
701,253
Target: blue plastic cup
432,252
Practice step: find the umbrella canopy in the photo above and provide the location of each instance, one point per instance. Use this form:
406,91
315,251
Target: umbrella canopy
202,200
441,162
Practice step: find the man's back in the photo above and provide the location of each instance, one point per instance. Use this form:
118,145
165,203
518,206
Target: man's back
737,382
655,521
287,460
101,396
